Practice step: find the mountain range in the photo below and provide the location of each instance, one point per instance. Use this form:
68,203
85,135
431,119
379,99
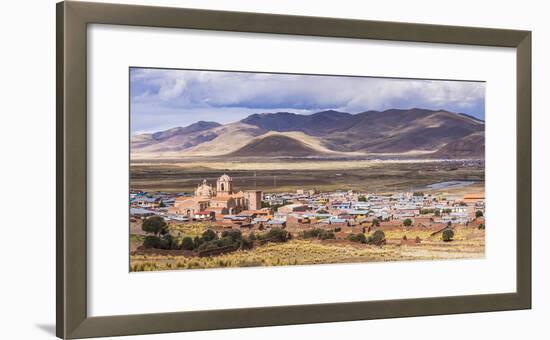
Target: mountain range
394,133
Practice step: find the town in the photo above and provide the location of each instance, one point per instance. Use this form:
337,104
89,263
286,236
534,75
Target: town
339,216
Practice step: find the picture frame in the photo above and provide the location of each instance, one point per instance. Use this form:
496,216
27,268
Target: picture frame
73,19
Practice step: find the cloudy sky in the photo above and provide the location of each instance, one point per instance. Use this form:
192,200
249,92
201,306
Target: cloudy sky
163,98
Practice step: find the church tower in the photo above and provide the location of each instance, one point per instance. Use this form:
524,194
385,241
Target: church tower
224,185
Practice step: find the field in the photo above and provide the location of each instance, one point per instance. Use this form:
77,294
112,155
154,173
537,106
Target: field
468,243
289,175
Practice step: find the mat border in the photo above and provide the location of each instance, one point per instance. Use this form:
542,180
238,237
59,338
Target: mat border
73,18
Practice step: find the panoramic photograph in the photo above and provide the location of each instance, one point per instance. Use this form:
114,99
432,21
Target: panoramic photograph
247,169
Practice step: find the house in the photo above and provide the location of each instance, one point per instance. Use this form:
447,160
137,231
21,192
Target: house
204,215
140,212
146,202
287,209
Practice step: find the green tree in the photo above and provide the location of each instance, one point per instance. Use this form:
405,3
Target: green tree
437,213
479,213
362,198
375,222
407,222
155,225
447,235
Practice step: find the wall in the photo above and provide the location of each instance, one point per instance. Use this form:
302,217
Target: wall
27,288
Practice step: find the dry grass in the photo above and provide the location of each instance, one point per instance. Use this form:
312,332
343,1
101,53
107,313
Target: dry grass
187,229
469,243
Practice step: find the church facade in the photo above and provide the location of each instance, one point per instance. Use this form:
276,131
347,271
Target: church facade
222,199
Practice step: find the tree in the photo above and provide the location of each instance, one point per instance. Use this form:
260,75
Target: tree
479,213
437,213
155,225
407,222
187,243
447,235
481,226
375,222
378,238
362,199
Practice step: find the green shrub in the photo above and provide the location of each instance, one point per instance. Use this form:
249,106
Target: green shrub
197,242
447,235
377,239
407,222
187,243
277,235
209,235
151,242
361,238
317,233
167,241
235,235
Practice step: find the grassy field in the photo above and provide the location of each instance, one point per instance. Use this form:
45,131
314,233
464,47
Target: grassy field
289,175
468,243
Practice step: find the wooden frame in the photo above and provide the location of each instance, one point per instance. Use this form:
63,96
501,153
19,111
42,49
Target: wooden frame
72,21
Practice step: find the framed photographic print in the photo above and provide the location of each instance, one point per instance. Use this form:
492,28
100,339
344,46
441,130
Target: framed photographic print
266,170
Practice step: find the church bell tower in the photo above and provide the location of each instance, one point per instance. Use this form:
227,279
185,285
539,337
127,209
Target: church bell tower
224,185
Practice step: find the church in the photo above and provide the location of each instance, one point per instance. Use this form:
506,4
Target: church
222,200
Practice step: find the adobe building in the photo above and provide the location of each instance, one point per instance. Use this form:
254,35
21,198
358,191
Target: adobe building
222,200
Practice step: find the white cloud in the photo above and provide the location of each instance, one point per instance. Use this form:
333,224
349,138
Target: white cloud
180,91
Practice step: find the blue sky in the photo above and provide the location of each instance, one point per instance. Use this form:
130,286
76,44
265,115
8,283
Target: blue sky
165,98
